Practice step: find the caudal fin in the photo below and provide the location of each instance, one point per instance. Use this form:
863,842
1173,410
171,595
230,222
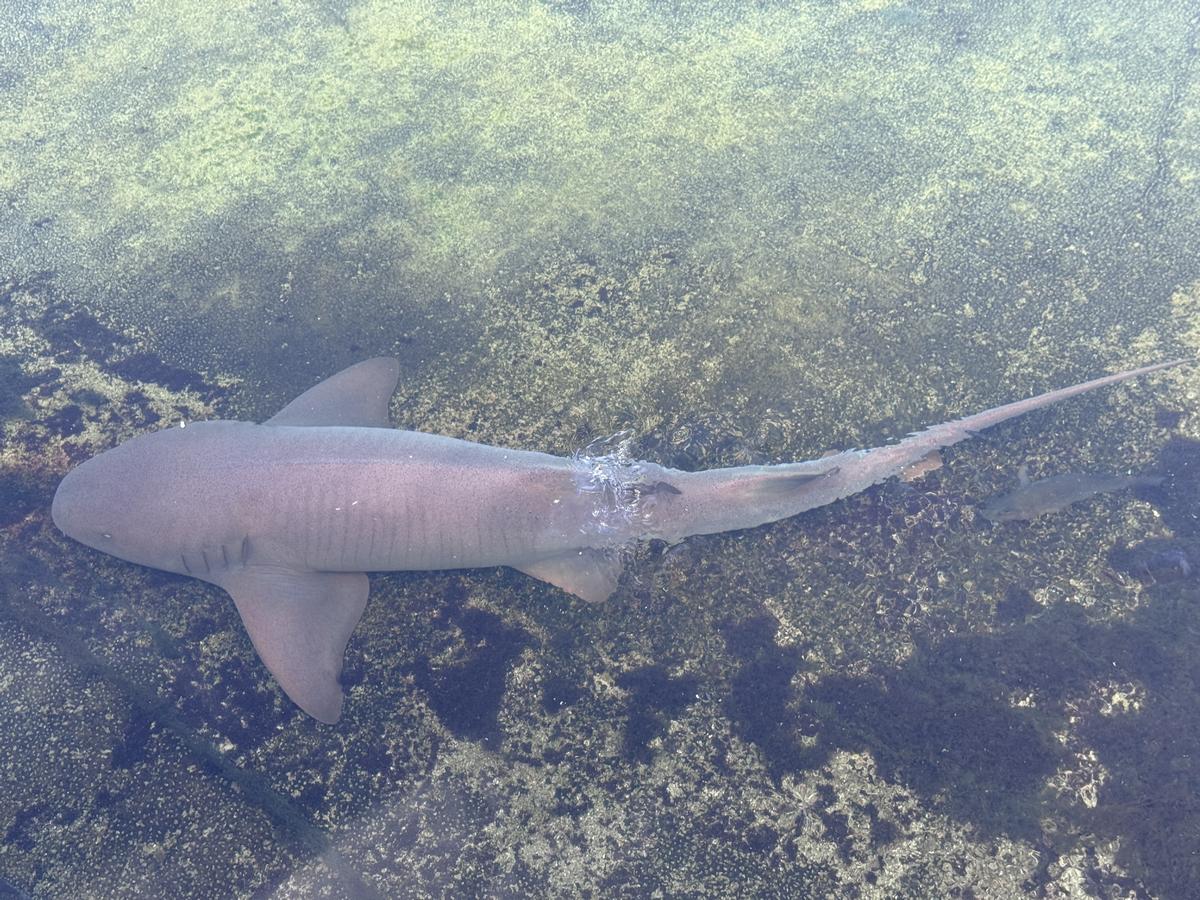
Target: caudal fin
960,429
745,496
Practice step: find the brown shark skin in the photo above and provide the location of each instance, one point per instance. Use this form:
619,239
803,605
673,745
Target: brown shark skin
289,514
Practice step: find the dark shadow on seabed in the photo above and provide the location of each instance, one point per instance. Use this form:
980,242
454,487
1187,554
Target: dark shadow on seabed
944,723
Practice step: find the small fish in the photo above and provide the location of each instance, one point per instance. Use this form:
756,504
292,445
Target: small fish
930,462
1036,498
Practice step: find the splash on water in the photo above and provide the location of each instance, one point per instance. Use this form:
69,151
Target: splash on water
606,469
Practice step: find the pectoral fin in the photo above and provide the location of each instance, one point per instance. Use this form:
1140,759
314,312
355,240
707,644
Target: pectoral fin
589,574
299,622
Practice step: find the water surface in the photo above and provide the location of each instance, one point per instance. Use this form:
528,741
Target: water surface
744,233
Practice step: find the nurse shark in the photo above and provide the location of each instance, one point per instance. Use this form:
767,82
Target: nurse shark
288,515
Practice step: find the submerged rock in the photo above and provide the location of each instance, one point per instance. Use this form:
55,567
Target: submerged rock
1156,560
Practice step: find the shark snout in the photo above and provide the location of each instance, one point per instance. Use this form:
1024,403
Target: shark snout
82,508
64,502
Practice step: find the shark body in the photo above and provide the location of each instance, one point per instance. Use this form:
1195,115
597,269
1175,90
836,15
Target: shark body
287,516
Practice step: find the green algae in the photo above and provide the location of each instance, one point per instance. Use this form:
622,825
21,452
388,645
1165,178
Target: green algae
435,150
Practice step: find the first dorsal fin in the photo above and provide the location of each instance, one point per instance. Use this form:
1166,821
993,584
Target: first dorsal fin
358,395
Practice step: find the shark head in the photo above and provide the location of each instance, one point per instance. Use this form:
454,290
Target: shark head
183,500
120,502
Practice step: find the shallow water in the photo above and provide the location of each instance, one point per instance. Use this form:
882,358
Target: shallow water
746,235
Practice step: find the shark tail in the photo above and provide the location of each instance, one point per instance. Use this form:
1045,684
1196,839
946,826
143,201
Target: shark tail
956,430
746,496
894,459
